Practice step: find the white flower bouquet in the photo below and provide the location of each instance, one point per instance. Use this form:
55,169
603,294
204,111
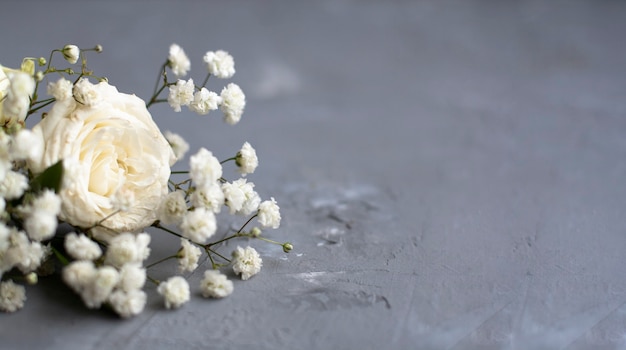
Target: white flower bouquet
99,164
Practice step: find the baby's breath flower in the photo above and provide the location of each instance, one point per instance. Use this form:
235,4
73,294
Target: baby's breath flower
188,256
198,225
240,197
79,274
123,199
16,103
127,304
175,291
12,296
27,145
181,94
127,248
47,202
205,101
233,103
132,277
71,53
204,167
81,247
85,93
178,61
172,208
178,143
40,225
215,285
14,185
98,290
220,64
246,159
246,262
209,196
21,253
61,90
269,214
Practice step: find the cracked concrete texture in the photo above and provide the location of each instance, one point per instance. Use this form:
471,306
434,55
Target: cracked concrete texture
451,174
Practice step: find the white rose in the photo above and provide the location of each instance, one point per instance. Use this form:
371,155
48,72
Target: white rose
105,145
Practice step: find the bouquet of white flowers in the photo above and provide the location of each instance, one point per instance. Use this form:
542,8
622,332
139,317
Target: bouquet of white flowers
98,162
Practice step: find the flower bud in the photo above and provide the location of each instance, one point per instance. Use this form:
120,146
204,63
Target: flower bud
42,61
255,232
31,278
287,247
39,76
98,48
71,53
28,66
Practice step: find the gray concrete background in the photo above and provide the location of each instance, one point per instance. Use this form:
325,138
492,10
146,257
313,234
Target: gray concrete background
451,173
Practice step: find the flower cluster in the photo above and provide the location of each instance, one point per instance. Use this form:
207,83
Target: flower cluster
99,164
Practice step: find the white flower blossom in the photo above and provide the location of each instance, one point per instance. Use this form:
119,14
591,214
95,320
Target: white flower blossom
269,214
16,103
40,225
100,287
246,262
13,185
81,247
127,248
198,225
123,199
220,64
22,253
172,208
175,291
61,90
178,143
205,101
188,256
246,159
215,285
132,277
86,93
209,196
48,202
181,94
204,167
233,103
178,61
12,296
26,145
79,274
71,53
128,304
240,197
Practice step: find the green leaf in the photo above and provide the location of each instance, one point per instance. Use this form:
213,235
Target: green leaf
51,178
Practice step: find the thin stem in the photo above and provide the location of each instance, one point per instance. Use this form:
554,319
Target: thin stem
180,172
153,280
268,240
206,80
171,232
226,160
162,260
40,107
60,256
216,253
213,264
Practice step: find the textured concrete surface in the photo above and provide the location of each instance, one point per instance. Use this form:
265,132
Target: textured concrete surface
451,173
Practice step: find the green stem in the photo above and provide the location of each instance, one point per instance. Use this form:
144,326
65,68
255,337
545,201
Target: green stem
162,260
226,160
153,280
206,80
216,253
40,107
60,256
180,172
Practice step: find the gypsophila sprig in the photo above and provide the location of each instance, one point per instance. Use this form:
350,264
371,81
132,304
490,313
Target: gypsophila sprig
97,162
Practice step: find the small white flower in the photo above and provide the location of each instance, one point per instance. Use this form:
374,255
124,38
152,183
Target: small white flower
209,196
47,202
181,94
61,90
220,64
81,247
16,102
26,145
240,197
178,61
172,208
269,214
14,185
178,143
188,256
132,277
246,262
205,101
71,53
12,296
198,225
246,159
127,304
123,199
127,248
215,285
204,167
175,291
85,93
79,274
22,253
98,290
233,103
40,225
